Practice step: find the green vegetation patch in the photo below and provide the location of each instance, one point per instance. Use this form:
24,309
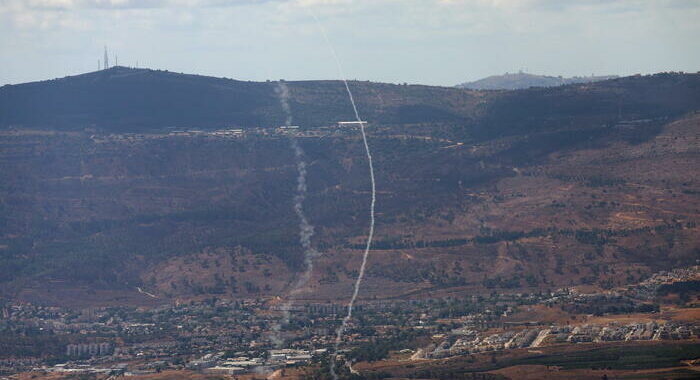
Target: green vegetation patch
620,357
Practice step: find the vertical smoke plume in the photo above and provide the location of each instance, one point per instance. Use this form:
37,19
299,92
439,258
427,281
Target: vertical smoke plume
283,94
306,230
370,235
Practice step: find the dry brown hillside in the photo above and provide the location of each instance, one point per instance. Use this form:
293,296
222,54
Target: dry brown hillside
591,184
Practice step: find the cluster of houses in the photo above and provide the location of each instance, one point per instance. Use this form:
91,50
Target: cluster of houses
232,336
236,133
274,359
647,289
466,341
84,350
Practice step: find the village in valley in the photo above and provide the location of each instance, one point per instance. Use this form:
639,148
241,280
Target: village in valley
236,337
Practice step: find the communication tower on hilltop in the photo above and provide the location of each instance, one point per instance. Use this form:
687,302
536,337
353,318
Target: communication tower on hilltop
106,62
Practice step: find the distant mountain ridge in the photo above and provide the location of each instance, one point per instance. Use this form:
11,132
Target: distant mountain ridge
521,80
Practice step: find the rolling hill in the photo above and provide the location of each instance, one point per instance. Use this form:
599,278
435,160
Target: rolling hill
521,80
123,99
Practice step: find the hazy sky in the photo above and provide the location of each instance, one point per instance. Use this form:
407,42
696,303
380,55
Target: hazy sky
440,42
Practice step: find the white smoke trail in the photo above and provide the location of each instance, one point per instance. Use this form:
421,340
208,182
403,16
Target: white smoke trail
306,230
283,94
370,235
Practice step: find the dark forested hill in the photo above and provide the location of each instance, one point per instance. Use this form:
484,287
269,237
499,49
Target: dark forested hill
122,99
141,100
530,189
133,99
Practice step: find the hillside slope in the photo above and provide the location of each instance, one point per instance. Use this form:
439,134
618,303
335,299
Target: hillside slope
585,184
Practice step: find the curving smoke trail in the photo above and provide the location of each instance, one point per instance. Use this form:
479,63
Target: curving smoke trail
306,229
370,235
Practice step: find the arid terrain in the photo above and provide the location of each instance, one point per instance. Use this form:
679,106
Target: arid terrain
598,196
